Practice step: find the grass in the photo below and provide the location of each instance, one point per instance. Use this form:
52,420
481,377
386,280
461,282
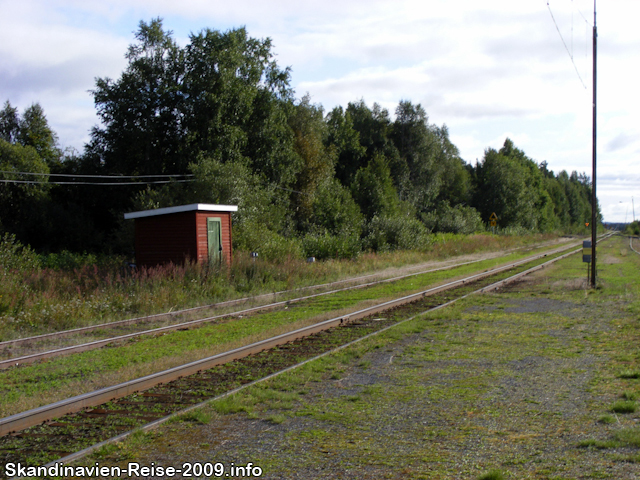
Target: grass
626,437
607,419
57,293
492,475
198,416
624,407
510,382
492,387
493,381
34,385
629,436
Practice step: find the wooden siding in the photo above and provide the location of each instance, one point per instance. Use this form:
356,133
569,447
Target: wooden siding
176,237
203,246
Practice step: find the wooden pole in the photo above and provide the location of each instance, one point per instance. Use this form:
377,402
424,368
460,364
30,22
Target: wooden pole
594,203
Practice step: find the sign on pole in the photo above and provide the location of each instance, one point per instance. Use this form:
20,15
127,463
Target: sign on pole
586,251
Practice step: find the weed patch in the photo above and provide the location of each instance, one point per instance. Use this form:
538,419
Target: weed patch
492,475
624,407
198,416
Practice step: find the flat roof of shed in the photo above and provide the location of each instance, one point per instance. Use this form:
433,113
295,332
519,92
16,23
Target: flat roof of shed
207,207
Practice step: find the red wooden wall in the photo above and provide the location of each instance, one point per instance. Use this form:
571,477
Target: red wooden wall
176,237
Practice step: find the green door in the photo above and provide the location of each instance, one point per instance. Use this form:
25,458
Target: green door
214,238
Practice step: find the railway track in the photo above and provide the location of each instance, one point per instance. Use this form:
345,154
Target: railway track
57,431
631,239
32,349
172,316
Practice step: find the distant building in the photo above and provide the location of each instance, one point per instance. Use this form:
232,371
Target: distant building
197,232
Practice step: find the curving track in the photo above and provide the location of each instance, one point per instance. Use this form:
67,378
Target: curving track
631,239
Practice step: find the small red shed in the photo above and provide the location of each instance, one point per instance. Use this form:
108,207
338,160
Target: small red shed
200,232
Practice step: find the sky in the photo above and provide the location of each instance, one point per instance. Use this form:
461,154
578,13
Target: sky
487,69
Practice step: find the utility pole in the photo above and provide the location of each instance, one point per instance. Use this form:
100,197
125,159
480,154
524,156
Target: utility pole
594,229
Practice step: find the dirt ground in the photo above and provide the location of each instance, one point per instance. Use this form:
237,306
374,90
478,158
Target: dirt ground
517,384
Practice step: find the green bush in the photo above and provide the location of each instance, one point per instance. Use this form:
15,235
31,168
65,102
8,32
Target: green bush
624,406
70,261
514,231
492,475
257,237
388,233
331,246
633,228
335,210
15,256
457,219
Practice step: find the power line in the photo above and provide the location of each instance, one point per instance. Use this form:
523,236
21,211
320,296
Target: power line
95,176
565,45
34,182
583,17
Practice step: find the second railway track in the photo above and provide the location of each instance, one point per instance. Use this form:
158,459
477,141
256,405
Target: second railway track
28,350
58,430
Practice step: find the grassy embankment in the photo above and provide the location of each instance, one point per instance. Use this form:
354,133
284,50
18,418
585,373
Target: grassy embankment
33,385
538,381
40,294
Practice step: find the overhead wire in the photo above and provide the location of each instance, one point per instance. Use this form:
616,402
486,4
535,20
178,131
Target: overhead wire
35,182
171,180
95,176
565,44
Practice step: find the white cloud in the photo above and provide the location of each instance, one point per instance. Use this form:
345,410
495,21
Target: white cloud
486,69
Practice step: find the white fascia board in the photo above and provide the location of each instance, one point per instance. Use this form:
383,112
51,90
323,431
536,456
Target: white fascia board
181,208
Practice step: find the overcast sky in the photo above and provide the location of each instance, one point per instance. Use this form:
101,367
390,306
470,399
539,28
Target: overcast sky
487,69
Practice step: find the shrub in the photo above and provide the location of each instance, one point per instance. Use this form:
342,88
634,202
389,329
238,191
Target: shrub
15,256
391,233
633,228
70,261
335,210
257,237
457,219
331,246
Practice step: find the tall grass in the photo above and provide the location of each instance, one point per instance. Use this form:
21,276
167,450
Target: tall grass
40,294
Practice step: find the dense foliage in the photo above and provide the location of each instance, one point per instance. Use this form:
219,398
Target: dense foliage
219,115
633,228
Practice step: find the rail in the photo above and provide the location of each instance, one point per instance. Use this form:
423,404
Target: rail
27,359
227,303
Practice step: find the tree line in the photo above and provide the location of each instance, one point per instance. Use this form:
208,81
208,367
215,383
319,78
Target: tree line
220,117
